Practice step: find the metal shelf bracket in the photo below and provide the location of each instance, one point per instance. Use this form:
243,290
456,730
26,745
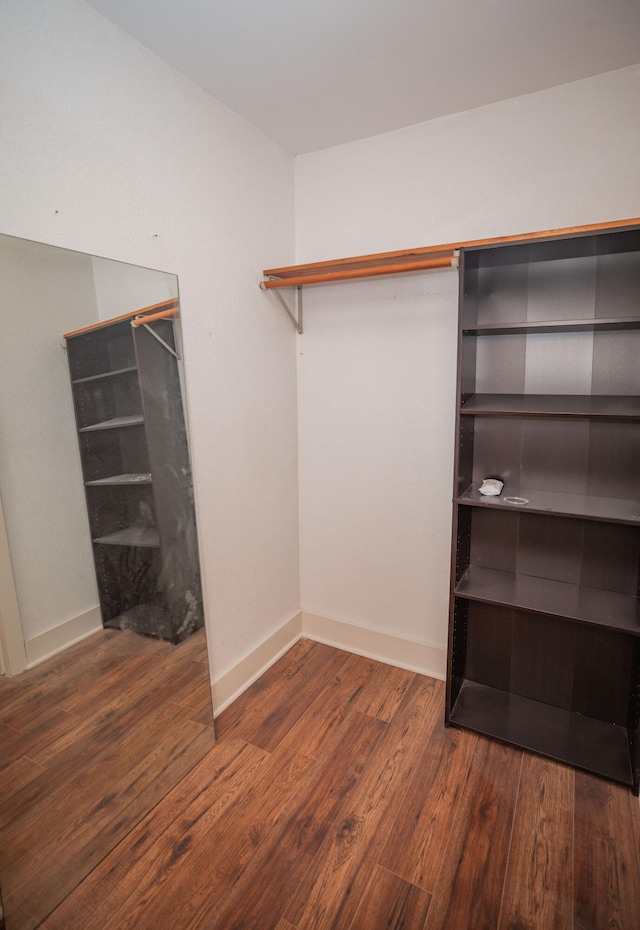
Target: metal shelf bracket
296,315
139,321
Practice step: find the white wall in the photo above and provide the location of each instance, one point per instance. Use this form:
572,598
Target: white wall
43,293
377,359
122,288
111,152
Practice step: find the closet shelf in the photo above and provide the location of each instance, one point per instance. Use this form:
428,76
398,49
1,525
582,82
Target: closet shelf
584,742
559,503
609,407
106,374
552,326
146,537
556,598
115,423
113,480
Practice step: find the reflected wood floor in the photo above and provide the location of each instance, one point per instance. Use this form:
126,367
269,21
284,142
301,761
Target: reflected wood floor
335,798
90,741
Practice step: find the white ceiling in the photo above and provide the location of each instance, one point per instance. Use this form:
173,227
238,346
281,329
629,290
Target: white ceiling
316,73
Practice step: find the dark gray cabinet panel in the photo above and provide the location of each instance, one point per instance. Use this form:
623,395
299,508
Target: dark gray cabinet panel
135,464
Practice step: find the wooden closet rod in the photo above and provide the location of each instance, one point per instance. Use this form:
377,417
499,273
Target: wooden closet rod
439,256
369,271
171,305
140,321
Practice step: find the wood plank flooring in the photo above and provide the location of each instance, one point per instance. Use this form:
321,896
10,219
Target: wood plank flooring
90,741
335,799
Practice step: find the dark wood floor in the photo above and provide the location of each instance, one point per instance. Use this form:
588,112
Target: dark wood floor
90,741
335,798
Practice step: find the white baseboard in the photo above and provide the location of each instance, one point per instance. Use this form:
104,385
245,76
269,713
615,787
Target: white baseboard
231,685
47,644
384,647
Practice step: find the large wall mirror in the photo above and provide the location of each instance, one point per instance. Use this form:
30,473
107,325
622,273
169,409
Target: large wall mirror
101,723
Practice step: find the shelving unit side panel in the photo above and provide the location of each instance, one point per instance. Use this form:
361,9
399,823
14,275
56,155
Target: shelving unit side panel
128,576
603,675
557,363
457,649
100,351
615,363
171,470
501,364
466,372
549,547
633,723
113,452
502,293
118,507
105,399
614,459
494,539
561,289
618,284
611,557
555,455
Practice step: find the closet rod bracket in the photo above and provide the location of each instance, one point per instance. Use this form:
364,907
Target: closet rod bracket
296,315
139,321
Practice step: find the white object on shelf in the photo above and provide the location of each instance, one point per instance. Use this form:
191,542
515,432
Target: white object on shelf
491,487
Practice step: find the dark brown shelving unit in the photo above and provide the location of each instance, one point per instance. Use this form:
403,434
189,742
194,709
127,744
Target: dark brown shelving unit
135,464
544,636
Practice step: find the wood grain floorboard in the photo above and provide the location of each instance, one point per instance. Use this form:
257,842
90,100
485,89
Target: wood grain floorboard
279,714
331,889
391,902
218,846
418,841
315,728
15,776
334,799
470,884
384,692
258,898
253,705
229,769
53,842
539,878
82,764
82,781
607,874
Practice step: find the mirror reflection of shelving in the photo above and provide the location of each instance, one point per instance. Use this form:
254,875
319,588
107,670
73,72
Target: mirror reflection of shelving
135,464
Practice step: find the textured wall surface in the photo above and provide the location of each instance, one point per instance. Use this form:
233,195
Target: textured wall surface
43,293
111,152
377,360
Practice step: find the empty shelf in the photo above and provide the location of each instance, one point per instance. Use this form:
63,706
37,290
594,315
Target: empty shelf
589,406
105,374
145,536
141,478
552,326
555,598
115,423
585,742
